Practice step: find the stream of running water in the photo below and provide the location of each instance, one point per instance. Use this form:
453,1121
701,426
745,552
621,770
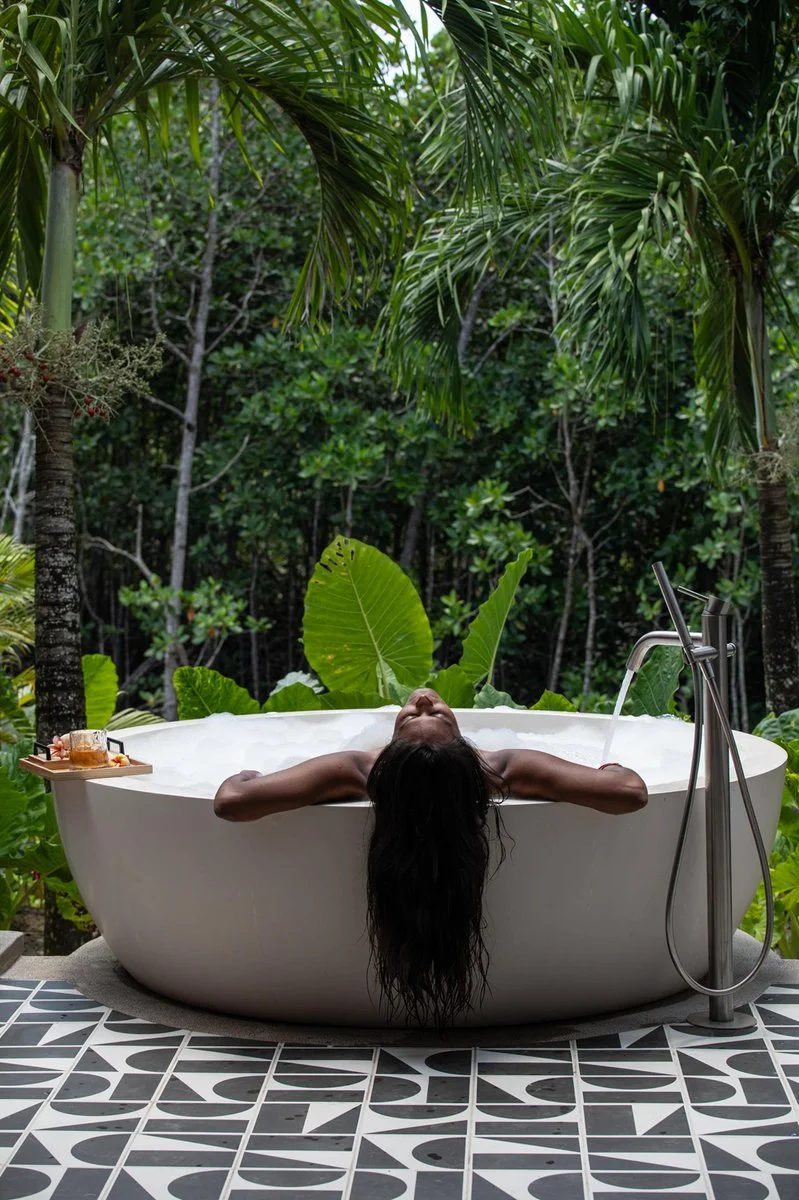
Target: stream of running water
629,676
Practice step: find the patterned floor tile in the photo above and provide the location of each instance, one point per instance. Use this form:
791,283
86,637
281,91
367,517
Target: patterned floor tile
95,1105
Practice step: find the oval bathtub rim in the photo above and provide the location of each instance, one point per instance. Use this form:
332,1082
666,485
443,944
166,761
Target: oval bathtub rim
769,757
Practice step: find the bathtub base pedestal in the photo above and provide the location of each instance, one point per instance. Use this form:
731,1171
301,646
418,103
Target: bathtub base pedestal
740,1020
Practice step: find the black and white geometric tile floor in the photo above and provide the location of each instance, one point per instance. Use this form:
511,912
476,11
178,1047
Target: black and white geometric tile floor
96,1105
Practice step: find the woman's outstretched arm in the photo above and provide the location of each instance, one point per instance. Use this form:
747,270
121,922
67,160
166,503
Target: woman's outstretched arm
250,795
533,775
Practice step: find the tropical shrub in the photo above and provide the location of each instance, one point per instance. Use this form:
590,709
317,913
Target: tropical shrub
16,597
31,854
369,641
784,858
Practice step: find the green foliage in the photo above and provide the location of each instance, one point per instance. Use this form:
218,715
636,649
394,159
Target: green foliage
101,685
454,687
14,721
16,597
336,700
210,614
784,728
489,697
652,691
131,718
784,858
552,702
202,691
364,626
482,641
297,697
31,854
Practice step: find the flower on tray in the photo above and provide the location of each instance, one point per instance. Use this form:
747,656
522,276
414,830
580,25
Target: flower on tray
59,747
118,760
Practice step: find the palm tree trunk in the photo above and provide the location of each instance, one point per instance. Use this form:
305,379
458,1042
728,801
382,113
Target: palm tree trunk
777,587
60,704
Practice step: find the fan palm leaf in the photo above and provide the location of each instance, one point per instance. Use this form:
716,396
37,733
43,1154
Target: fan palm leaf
16,596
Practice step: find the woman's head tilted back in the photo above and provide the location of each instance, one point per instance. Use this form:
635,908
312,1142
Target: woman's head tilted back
427,864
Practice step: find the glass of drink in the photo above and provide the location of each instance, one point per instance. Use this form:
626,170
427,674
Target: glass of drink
88,748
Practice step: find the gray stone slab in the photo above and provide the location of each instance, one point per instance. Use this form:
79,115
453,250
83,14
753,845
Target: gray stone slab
95,971
11,946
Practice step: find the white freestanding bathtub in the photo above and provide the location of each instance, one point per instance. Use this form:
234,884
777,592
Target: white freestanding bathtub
267,919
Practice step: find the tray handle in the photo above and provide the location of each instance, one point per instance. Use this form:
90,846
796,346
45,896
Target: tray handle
42,747
116,742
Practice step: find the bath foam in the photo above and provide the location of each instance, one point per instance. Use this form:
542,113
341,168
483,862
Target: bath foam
199,755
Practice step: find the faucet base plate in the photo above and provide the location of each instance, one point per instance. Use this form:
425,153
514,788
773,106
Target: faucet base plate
740,1020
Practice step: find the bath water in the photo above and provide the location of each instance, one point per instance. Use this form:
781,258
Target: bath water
195,758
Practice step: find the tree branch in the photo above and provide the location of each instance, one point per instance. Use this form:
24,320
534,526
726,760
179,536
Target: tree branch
136,557
231,462
242,310
163,404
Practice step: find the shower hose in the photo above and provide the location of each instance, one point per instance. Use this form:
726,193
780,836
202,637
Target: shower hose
700,669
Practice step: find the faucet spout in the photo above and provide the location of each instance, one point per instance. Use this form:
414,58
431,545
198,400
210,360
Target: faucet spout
658,637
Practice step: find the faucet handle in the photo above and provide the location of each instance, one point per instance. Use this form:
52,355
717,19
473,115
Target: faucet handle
686,591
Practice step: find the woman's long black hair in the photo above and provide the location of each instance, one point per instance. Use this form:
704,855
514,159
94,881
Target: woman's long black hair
426,870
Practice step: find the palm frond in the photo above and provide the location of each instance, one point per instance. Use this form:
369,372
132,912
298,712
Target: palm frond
500,106
74,74
422,323
16,595
724,370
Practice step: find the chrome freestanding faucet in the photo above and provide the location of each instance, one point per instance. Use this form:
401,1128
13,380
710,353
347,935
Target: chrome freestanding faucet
707,654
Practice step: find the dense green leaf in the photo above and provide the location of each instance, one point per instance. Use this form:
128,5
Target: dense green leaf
652,692
7,905
784,728
481,643
552,702
13,804
454,687
70,902
12,717
201,692
130,718
364,626
101,685
297,697
336,700
489,697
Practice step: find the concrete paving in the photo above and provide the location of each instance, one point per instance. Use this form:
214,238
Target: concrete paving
96,973
11,946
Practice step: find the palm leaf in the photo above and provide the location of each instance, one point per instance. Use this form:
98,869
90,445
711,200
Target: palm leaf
16,595
320,69
421,325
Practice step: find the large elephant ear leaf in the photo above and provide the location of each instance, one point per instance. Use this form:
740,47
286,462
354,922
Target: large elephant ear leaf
652,692
201,692
481,643
364,627
101,685
453,687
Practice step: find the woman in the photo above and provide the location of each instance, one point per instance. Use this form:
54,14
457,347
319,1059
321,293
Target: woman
429,850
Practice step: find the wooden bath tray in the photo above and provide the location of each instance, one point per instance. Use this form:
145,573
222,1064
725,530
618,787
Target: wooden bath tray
59,768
